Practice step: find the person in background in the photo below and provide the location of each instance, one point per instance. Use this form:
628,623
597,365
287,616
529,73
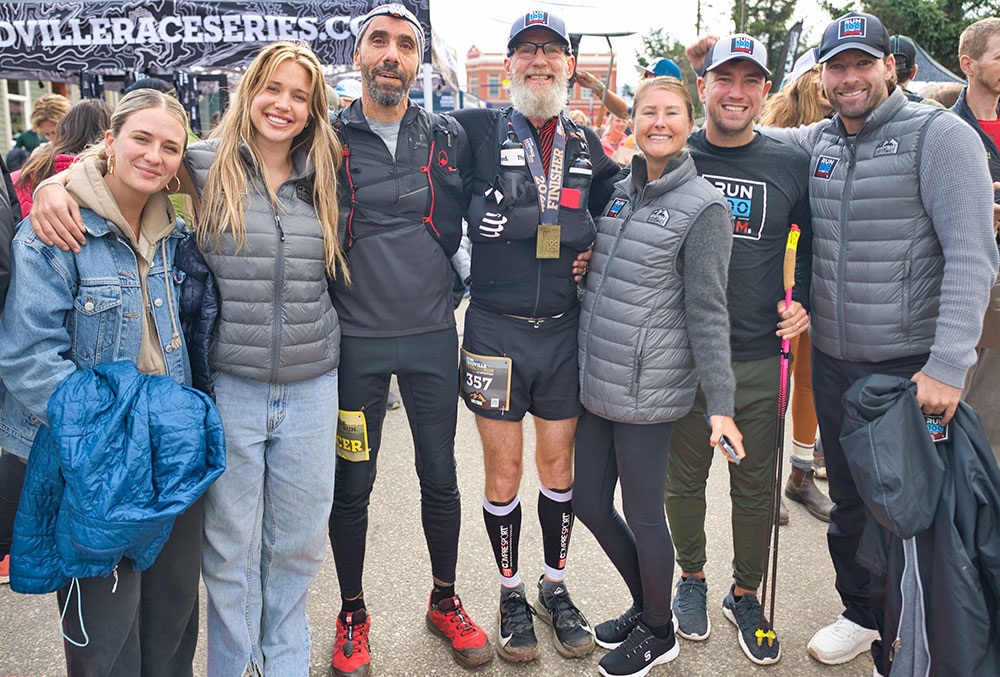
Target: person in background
614,134
58,318
46,112
905,51
85,123
946,95
659,67
654,324
979,56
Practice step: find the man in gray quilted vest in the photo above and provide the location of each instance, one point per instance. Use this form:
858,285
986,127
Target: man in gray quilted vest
903,261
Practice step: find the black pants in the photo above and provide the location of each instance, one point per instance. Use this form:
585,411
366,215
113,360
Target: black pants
426,367
860,591
640,546
148,626
11,480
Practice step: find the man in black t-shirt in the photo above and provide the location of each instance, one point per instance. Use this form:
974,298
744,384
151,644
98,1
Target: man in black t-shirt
765,184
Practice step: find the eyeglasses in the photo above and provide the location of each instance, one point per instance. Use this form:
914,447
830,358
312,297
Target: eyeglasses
527,50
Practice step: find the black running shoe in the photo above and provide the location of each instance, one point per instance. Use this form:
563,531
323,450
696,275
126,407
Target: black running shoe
637,655
517,633
745,615
610,634
571,633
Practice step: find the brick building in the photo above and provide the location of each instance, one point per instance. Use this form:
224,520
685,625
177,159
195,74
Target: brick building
485,78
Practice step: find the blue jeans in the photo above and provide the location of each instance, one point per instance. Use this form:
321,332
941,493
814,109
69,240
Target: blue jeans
265,522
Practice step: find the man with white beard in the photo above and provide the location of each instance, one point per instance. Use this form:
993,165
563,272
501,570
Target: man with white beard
538,179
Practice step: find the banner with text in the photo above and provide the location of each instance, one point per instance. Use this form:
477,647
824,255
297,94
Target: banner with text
57,40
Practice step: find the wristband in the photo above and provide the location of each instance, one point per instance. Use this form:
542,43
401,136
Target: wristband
599,89
46,182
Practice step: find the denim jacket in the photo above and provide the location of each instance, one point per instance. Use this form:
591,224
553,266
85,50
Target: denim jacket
69,311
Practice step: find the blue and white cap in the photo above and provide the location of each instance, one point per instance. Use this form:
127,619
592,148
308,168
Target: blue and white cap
855,30
538,19
737,46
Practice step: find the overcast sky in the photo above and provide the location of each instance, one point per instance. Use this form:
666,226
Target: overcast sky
487,24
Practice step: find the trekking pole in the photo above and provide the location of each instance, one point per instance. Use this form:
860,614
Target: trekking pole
779,451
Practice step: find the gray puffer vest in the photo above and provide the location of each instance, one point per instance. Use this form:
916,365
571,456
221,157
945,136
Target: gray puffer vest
877,263
276,320
636,361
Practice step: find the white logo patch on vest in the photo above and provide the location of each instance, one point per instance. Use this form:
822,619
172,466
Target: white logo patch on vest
658,217
887,147
748,202
616,207
825,167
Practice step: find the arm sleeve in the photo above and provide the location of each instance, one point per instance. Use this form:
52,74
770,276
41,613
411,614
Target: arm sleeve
34,326
957,193
605,174
705,257
804,137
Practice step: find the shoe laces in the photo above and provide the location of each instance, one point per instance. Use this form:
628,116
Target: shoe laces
627,619
519,612
354,635
747,612
565,610
634,641
458,618
844,629
691,596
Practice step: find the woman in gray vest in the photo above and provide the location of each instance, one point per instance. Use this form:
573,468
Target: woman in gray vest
654,326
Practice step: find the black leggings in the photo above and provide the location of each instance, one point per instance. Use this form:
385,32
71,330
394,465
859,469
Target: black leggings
11,480
426,366
635,455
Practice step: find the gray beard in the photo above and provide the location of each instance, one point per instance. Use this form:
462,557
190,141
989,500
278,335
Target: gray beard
540,105
388,98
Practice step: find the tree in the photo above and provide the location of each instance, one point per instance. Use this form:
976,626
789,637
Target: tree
655,44
934,24
767,21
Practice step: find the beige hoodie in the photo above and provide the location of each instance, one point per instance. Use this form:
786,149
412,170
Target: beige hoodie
85,184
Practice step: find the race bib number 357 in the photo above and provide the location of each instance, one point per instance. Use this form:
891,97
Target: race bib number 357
486,381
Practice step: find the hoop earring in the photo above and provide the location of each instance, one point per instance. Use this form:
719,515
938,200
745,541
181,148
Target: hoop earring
178,188
111,165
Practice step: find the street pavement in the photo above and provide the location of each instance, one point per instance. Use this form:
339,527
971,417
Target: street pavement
397,584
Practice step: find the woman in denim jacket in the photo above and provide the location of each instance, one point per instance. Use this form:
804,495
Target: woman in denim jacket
115,299
268,230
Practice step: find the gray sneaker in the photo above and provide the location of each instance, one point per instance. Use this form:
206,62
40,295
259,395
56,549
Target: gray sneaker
745,615
689,607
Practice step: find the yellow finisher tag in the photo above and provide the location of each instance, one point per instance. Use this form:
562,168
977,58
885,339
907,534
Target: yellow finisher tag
547,242
352,436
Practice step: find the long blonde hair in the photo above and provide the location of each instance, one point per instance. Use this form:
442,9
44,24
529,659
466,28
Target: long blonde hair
796,104
133,102
228,181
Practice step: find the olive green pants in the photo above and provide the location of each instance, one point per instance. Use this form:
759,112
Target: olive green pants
690,458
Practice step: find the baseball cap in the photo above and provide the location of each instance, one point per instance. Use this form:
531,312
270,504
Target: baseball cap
348,90
538,19
737,46
855,30
803,65
396,11
904,49
661,67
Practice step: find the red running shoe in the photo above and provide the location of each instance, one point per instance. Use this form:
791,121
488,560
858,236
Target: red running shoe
5,570
350,650
469,644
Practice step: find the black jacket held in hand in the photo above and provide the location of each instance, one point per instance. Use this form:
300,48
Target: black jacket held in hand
199,310
935,537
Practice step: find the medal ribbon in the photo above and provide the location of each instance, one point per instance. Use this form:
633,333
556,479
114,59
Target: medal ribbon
550,190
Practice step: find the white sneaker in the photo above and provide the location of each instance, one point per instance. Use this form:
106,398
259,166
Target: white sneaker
841,641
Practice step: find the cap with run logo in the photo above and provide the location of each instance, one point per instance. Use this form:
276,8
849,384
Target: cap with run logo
538,19
856,30
738,46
